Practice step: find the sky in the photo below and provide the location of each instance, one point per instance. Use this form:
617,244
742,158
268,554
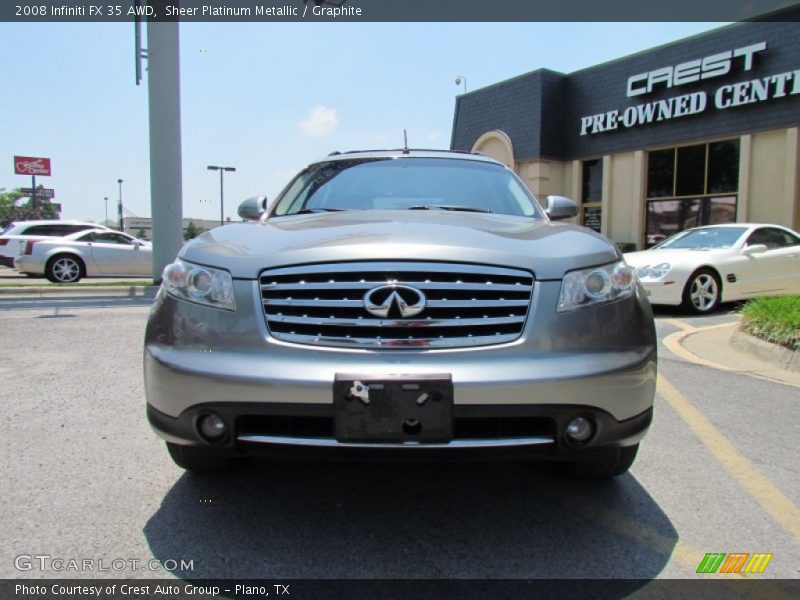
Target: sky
265,98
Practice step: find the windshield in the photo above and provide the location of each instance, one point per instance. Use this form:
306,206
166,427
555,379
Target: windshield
706,238
407,184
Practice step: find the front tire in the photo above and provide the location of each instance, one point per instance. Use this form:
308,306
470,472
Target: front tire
702,292
616,463
64,269
199,460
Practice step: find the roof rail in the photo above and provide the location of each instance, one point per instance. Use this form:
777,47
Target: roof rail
408,150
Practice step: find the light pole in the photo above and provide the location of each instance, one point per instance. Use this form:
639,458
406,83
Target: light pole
221,190
106,221
461,79
119,207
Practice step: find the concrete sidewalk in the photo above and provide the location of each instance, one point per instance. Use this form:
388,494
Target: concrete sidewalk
726,348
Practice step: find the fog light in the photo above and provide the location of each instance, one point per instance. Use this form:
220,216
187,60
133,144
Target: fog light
212,427
580,429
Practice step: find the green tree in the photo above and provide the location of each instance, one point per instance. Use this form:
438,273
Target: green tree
140,234
192,231
8,201
13,210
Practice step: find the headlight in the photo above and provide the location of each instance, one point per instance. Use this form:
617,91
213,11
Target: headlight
588,287
653,271
203,285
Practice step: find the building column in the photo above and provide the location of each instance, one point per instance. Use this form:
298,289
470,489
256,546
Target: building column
605,197
576,192
537,175
745,154
638,217
792,184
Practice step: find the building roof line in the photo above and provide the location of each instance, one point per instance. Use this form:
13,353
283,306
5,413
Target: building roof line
612,60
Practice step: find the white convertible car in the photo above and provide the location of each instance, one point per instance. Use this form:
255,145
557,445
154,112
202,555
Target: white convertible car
93,253
700,268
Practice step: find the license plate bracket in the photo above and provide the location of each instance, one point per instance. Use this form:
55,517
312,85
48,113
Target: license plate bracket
393,408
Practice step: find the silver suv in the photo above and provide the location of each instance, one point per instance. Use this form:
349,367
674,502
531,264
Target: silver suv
412,303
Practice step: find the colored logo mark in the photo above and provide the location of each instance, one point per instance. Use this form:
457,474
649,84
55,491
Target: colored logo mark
736,562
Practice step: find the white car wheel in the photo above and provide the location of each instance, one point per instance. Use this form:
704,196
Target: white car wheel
64,269
702,292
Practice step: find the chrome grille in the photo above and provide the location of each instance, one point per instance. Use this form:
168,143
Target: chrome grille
466,305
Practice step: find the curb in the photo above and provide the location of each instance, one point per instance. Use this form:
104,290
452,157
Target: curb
146,291
782,357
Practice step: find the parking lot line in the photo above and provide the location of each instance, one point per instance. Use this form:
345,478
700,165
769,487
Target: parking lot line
782,510
680,324
622,524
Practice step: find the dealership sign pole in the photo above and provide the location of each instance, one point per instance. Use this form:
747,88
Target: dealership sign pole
33,166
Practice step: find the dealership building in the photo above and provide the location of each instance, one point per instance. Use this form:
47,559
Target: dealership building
700,131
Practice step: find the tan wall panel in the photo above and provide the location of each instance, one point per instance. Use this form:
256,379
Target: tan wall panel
773,161
494,148
548,177
624,212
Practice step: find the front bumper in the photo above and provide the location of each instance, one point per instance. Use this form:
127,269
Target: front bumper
291,430
668,291
600,362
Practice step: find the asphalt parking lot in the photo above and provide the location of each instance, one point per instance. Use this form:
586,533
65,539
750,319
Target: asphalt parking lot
84,477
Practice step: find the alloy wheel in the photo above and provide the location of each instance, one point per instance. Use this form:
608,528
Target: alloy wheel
66,270
704,292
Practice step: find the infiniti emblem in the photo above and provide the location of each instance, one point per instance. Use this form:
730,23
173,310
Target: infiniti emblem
406,301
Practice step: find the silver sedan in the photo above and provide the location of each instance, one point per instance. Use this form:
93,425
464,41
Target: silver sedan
93,253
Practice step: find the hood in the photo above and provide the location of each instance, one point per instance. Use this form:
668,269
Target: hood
671,256
547,249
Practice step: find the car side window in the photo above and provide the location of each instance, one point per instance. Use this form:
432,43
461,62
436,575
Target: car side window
67,229
89,237
770,237
41,230
112,238
789,239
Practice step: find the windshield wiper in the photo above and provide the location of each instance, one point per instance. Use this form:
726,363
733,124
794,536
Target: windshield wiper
453,207
308,211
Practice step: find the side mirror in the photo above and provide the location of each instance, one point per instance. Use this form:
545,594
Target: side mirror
252,208
754,249
559,208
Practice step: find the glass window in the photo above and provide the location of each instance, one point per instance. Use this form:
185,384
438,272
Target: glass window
40,230
668,217
720,210
723,167
593,218
691,174
404,183
789,238
592,180
660,173
682,182
772,238
706,237
111,238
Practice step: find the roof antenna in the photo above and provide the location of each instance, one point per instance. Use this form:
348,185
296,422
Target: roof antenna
405,142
